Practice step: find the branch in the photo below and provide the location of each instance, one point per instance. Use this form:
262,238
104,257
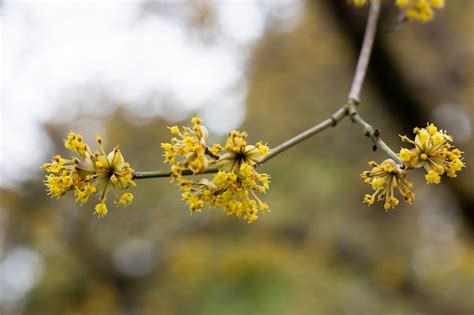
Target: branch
365,52
372,133
325,124
346,110
358,81
160,174
329,122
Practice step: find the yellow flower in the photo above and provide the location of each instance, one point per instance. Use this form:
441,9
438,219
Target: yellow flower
419,10
216,149
196,193
234,192
234,187
188,151
55,187
82,194
101,209
384,178
433,177
236,152
416,10
125,199
438,4
434,152
90,173
74,143
402,3
359,3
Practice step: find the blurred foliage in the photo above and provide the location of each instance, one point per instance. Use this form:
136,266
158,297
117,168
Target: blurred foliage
320,251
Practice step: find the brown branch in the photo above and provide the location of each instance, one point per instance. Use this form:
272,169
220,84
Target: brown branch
343,111
365,52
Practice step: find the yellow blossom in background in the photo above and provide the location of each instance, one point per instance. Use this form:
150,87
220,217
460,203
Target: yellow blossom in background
419,10
234,188
434,152
358,3
385,178
416,10
90,173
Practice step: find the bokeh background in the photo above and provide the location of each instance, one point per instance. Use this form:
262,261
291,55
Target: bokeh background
128,69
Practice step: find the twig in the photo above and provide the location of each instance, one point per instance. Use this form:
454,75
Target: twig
346,110
372,133
325,124
359,77
365,52
159,174
329,122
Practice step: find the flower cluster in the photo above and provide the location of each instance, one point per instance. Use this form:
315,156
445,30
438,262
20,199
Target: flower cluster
419,10
89,173
188,149
384,178
235,186
416,10
359,3
432,151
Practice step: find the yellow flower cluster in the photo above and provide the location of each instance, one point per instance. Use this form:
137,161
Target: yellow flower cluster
419,10
384,178
91,172
235,185
359,3
434,152
189,146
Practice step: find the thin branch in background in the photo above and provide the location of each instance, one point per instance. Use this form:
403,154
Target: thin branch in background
365,52
358,81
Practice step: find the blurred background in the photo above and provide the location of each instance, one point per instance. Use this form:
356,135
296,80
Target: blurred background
127,69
